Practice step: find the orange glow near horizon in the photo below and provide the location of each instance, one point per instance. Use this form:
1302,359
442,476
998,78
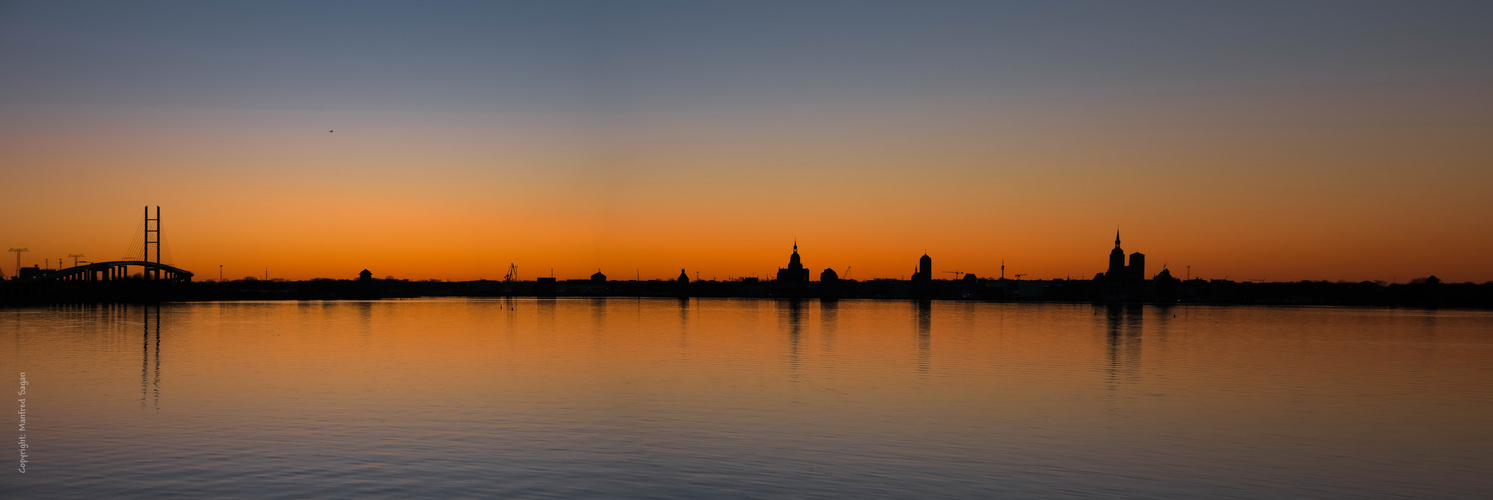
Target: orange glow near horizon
1241,160
649,214
307,210
444,222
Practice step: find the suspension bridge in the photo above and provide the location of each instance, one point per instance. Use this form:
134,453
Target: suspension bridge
143,268
137,277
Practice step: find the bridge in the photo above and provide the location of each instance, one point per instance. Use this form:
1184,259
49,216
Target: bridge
118,270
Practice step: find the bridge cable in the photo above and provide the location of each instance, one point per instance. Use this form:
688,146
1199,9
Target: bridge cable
137,242
166,257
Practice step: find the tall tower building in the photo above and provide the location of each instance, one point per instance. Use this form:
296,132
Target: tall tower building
1137,269
1116,260
795,272
925,268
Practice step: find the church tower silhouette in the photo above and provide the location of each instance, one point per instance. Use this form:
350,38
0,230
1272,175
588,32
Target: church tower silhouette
795,272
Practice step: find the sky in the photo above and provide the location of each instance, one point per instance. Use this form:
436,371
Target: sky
1274,141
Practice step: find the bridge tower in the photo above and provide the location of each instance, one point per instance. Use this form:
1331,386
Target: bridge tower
154,273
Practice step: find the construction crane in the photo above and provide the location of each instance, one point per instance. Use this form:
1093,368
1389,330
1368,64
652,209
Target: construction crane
957,274
512,273
847,273
1018,276
75,258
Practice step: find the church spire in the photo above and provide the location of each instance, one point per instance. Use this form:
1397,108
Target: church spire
1117,237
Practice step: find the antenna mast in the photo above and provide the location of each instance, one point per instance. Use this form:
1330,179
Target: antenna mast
18,259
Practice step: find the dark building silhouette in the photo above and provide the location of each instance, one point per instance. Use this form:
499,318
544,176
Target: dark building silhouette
1118,271
1165,274
922,278
545,286
795,272
598,277
681,286
829,284
1116,260
365,275
925,269
1166,285
30,272
1136,271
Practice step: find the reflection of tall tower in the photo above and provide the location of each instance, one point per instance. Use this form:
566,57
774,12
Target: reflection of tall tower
792,311
925,333
151,320
1123,334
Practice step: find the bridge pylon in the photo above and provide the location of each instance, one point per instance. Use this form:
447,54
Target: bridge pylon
155,273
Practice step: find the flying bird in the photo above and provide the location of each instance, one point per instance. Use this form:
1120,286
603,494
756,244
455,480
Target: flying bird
329,131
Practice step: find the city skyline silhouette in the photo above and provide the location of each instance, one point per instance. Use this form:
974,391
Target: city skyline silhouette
140,252
1256,143
747,248
148,278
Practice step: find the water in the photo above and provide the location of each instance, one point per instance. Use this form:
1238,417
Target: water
663,398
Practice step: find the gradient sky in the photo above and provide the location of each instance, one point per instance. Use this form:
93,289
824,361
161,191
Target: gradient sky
1249,140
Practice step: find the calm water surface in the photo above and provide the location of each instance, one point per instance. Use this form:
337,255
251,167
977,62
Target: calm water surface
674,398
